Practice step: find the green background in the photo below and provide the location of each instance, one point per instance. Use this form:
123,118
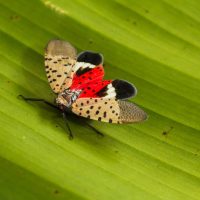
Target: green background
154,44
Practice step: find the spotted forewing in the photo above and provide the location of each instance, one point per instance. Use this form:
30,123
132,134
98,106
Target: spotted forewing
60,56
108,110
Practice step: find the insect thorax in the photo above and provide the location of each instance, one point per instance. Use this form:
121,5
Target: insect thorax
66,98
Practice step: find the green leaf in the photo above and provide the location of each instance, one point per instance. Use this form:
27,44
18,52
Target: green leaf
153,44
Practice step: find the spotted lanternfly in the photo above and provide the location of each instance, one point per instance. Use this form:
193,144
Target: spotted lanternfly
78,82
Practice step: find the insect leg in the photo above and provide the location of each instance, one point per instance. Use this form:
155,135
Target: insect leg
94,129
35,99
64,115
67,125
85,123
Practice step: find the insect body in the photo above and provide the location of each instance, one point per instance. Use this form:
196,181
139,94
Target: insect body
78,82
66,98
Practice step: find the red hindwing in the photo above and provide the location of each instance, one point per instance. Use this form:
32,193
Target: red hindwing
90,82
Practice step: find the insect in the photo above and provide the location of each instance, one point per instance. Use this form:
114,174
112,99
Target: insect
78,82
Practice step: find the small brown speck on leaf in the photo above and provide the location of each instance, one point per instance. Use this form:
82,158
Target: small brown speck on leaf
165,133
56,191
14,17
90,41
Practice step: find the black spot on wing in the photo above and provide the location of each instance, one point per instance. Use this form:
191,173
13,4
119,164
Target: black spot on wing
124,89
102,92
90,57
97,112
82,71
